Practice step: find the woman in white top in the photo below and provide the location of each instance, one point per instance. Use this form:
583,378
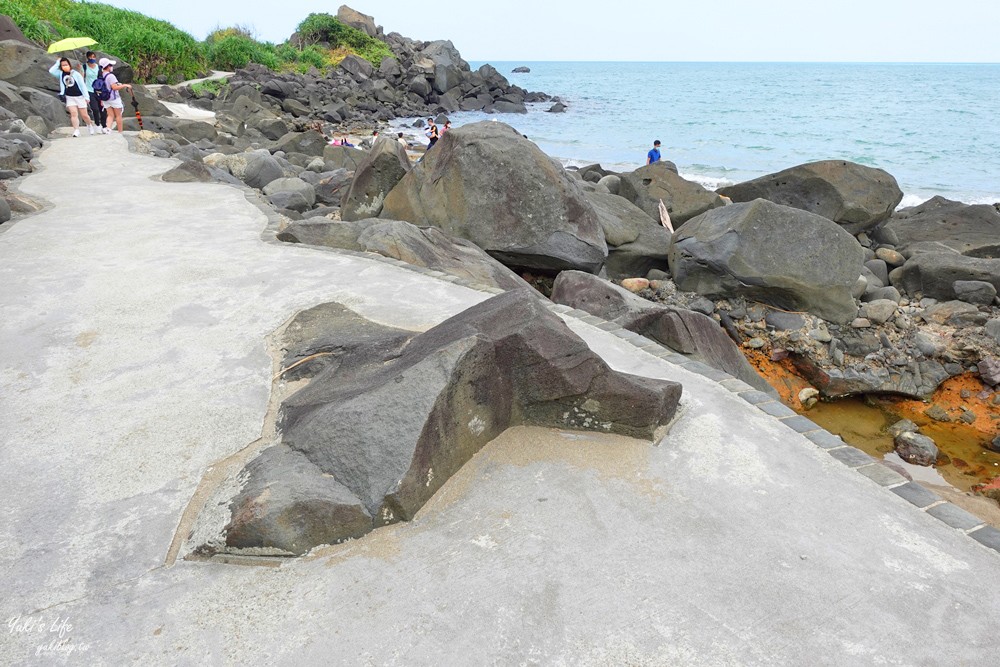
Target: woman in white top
113,105
74,89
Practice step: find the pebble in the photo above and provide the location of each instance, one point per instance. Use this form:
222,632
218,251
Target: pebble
820,335
890,256
861,323
937,413
808,397
635,284
755,343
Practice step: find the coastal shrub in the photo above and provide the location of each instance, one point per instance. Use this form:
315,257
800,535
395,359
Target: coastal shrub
39,20
231,50
317,28
151,46
213,86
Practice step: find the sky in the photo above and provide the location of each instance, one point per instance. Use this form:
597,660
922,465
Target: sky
643,30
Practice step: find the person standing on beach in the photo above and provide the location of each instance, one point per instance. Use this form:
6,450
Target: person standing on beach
91,72
654,154
401,140
74,90
114,106
432,135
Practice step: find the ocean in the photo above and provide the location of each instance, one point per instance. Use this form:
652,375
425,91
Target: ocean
932,126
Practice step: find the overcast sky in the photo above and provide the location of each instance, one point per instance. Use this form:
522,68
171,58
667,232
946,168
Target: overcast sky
656,30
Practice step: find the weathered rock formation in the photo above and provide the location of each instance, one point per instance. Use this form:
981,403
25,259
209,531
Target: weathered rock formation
426,247
647,186
383,167
942,225
779,255
856,197
692,334
382,427
486,183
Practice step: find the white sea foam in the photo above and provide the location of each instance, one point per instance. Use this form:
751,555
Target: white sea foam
708,182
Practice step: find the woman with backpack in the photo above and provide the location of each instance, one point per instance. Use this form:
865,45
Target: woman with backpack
113,104
91,73
73,89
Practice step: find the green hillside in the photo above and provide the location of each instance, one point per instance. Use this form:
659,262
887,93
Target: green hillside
155,47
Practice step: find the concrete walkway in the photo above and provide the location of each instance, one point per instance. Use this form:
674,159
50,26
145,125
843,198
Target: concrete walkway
133,357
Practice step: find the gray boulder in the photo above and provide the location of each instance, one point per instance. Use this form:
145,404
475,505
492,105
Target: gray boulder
356,19
917,379
307,143
933,274
915,448
5,213
782,256
692,334
975,291
637,244
357,67
647,186
296,185
331,187
15,155
188,172
942,225
854,196
426,247
289,200
256,169
380,431
383,167
486,183
343,157
27,65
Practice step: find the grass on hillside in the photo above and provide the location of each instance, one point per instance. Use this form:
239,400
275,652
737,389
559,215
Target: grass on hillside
213,86
155,47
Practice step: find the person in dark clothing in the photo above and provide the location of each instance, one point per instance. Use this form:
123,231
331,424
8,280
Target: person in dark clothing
91,72
433,136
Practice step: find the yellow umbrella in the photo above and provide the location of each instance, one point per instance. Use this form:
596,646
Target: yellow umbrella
70,44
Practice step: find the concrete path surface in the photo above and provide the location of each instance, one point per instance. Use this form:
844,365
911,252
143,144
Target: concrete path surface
133,323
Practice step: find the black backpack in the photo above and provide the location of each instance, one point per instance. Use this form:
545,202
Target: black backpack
101,88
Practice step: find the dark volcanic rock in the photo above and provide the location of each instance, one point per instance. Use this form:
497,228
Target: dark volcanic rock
692,334
188,172
486,183
915,448
376,436
521,70
384,166
854,196
428,247
637,244
24,64
942,225
915,379
647,186
933,274
782,256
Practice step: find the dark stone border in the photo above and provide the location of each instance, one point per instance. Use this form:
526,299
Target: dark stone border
920,497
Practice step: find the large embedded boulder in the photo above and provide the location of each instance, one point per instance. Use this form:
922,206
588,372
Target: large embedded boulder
636,242
383,167
692,334
15,155
357,67
24,64
343,157
647,186
427,247
486,183
310,142
933,274
775,254
356,19
378,431
854,196
255,168
942,225
914,379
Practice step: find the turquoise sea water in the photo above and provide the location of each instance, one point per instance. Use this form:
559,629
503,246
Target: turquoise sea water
934,127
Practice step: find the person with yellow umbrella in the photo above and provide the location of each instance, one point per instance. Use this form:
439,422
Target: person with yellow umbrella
72,86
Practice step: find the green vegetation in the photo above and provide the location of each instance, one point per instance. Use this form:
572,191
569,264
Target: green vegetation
156,48
213,86
326,28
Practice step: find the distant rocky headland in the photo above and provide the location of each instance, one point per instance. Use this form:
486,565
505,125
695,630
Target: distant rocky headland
812,266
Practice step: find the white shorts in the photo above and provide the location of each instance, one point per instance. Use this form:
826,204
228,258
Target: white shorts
113,104
79,102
